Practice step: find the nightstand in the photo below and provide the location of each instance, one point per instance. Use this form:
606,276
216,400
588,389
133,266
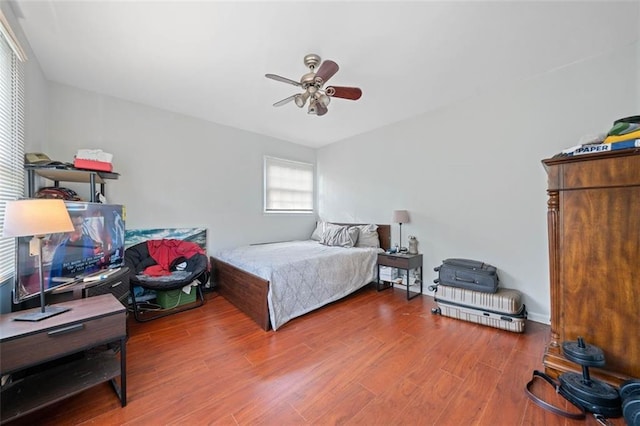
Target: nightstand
94,327
406,262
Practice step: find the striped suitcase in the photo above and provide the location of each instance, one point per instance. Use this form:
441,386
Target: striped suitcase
503,309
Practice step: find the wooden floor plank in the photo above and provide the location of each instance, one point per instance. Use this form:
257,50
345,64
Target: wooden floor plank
373,358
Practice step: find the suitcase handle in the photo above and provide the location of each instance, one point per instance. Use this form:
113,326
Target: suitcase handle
464,280
467,263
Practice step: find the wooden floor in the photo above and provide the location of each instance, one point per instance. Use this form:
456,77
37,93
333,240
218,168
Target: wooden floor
373,358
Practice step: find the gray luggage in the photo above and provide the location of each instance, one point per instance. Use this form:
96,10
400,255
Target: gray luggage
469,274
503,309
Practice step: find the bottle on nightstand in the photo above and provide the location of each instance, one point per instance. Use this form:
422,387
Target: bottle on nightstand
413,245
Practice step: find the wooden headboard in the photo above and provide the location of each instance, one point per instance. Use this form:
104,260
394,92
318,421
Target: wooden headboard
384,234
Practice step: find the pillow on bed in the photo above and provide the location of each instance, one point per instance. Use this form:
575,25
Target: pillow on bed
339,235
319,231
367,236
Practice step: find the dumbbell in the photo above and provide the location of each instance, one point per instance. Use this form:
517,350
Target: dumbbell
594,395
630,394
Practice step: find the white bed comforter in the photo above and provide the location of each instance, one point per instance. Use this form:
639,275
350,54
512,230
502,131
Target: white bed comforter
304,275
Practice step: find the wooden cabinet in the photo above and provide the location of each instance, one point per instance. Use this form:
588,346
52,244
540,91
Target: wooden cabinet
594,259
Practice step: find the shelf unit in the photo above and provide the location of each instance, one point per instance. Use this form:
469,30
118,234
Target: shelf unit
92,177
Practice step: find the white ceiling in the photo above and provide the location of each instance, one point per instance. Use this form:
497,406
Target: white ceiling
207,59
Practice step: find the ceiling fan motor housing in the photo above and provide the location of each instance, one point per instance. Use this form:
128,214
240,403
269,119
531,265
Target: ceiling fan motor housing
311,60
308,79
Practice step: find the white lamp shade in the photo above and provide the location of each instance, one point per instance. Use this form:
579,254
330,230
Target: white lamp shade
400,216
35,217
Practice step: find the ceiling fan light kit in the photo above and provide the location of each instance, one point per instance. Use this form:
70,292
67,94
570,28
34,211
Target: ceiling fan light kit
312,85
301,98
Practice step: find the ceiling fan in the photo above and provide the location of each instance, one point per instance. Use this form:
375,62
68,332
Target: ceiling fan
312,85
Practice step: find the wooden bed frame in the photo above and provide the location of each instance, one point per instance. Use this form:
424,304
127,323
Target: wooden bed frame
248,292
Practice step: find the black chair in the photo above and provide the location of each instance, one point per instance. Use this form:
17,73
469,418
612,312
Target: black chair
137,258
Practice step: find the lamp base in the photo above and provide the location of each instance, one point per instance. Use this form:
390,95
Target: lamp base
49,311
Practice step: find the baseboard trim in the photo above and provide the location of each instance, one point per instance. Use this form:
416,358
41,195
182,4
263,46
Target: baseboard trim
537,317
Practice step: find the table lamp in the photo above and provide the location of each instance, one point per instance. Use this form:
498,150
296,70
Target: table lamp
37,217
401,216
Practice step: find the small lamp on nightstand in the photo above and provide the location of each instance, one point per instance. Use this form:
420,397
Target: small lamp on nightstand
401,216
37,217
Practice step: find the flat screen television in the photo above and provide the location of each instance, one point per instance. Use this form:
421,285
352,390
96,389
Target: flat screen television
96,243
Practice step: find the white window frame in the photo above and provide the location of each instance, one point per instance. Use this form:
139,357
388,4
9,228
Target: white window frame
11,136
268,186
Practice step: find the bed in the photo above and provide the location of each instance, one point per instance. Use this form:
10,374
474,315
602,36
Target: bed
274,283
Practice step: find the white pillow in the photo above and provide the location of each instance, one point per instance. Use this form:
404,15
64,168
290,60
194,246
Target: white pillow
319,231
368,236
339,235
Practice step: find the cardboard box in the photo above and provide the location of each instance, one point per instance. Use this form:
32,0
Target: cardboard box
173,298
101,166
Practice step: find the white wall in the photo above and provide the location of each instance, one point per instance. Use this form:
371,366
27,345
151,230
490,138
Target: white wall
638,75
176,171
638,65
35,116
35,87
471,174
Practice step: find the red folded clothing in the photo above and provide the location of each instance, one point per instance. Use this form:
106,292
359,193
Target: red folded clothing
165,251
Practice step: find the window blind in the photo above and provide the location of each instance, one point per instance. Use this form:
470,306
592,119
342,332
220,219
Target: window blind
288,186
11,144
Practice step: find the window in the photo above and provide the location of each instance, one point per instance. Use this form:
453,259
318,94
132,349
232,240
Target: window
11,137
288,186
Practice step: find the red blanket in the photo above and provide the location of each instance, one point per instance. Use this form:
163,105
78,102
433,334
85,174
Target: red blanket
166,251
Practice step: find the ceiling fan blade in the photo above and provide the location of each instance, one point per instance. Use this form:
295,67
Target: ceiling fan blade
326,71
283,79
352,93
321,109
285,101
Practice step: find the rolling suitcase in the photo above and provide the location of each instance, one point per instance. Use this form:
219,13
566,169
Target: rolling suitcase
469,274
503,309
